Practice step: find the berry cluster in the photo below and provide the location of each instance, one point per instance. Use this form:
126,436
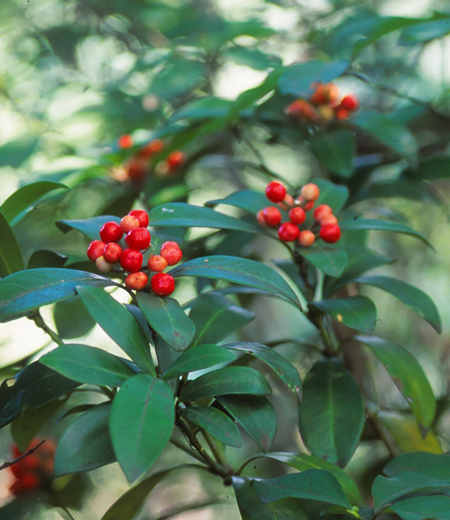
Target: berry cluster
140,164
323,106
111,249
325,224
34,471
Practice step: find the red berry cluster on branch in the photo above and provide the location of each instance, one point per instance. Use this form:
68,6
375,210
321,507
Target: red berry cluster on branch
35,471
129,253
140,165
325,224
323,106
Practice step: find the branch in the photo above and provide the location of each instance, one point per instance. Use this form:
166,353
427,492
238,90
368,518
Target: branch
28,452
39,321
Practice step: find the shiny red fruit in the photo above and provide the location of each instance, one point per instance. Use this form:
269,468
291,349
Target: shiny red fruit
306,238
157,263
111,232
321,211
95,250
175,159
129,222
297,215
171,252
275,191
141,215
112,253
136,281
288,232
131,260
301,109
125,141
163,284
349,102
272,216
330,233
138,238
310,192
342,113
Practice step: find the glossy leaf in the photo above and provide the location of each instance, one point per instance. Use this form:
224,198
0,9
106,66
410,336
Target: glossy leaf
312,484
248,200
331,413
334,195
89,226
215,422
240,271
198,358
141,423
224,381
10,254
46,258
215,317
25,291
361,224
168,319
279,364
408,375
120,325
88,365
436,507
85,445
33,387
335,150
411,296
428,464
357,312
426,31
255,415
328,260
72,320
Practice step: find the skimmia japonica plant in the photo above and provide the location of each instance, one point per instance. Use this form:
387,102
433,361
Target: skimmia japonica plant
183,385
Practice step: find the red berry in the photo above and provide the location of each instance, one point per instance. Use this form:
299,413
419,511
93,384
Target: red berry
272,216
136,281
111,232
260,218
103,265
157,263
141,215
310,192
306,238
171,252
129,222
275,191
136,169
175,159
95,250
328,219
349,102
138,238
330,233
309,205
297,215
321,211
151,148
288,232
325,94
342,113
112,253
125,141
301,109
31,462
131,260
30,481
163,284
17,469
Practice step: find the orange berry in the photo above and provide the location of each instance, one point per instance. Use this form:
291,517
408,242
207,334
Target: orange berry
342,113
136,281
327,94
328,219
171,252
321,211
310,192
306,238
301,109
157,263
129,222
151,148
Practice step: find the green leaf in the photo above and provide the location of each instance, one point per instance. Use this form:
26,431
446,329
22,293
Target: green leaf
357,312
279,364
297,79
88,365
168,319
120,325
252,58
89,226
198,358
408,376
251,507
26,196
436,507
334,195
426,31
302,462
312,484
215,422
46,258
187,215
240,271
431,168
203,108
25,291
248,200
411,296
335,150
72,319
331,413
33,387
224,381
16,152
141,423
256,415
85,445
215,317
10,255
428,464
327,259
388,131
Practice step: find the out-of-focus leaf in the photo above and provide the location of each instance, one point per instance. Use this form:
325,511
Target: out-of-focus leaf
16,152
335,151
248,200
428,464
10,254
436,507
334,195
252,58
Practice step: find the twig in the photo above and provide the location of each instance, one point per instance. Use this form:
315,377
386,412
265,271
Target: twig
28,452
39,321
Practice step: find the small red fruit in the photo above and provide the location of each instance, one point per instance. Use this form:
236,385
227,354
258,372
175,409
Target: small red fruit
157,263
141,215
330,233
301,109
111,232
131,260
272,216
349,102
163,284
129,222
321,211
305,205
151,148
310,192
125,141
136,169
297,215
136,281
171,252
342,113
275,191
288,232
95,250
306,238
103,265
112,252
138,238
175,160
328,219
260,218
17,469
327,94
